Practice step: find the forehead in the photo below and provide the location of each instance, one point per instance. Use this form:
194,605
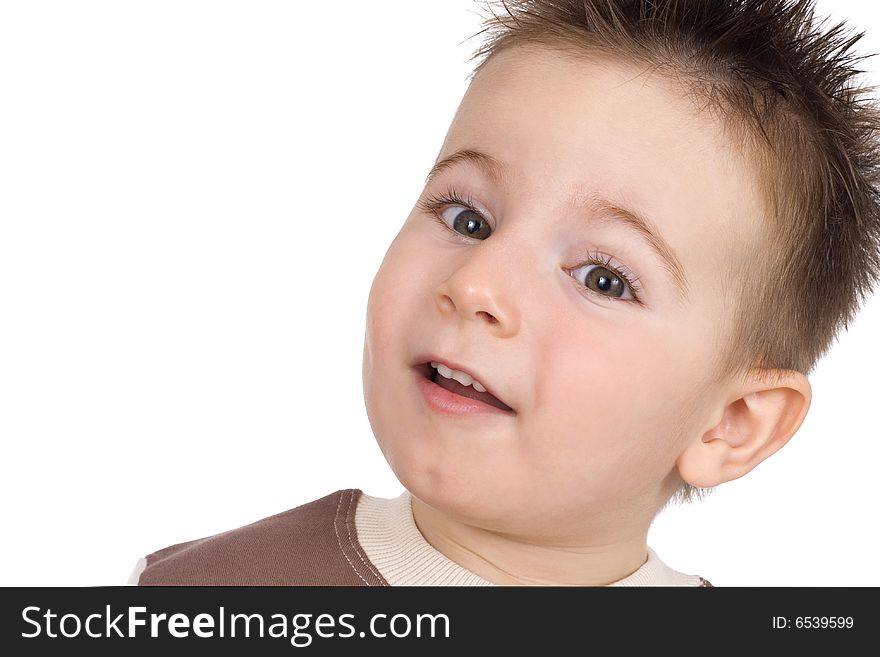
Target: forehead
566,127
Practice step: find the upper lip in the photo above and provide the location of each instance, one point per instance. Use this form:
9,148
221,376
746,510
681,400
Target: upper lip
455,365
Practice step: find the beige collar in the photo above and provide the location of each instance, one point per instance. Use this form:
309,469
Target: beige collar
388,534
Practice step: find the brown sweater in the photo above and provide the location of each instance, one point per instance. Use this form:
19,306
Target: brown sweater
344,539
313,544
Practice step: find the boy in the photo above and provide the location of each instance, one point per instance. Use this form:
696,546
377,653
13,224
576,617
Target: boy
646,224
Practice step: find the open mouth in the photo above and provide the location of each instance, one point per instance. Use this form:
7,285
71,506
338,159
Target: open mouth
453,386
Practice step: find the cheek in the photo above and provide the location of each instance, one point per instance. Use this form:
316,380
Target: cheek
611,397
393,291
396,299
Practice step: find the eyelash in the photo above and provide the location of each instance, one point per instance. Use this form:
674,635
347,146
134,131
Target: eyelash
433,204
632,281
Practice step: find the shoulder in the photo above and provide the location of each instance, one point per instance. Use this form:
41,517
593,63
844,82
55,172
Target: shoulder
312,544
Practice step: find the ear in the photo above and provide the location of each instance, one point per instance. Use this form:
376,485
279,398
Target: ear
758,417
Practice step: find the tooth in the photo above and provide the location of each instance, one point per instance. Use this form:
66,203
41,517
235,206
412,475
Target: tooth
461,377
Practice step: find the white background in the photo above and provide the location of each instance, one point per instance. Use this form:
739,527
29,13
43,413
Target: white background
194,199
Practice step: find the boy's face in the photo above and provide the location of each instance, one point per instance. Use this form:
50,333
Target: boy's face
606,391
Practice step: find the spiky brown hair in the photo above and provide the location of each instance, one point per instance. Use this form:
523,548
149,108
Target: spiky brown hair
786,89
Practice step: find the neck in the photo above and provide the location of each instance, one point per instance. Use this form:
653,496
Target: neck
504,559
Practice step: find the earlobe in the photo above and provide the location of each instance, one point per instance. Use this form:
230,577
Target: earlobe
764,413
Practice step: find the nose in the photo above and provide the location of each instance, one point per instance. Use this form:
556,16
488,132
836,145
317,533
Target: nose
479,290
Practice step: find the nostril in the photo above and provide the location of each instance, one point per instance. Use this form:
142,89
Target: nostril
491,319
446,303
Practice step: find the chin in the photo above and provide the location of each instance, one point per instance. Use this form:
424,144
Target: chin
455,500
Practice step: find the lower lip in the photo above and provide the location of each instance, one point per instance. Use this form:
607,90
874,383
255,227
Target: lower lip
446,402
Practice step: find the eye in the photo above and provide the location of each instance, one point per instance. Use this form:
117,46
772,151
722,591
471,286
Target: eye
604,281
458,214
466,221
598,276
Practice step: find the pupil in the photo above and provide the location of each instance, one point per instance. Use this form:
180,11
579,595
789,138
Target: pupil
473,225
604,283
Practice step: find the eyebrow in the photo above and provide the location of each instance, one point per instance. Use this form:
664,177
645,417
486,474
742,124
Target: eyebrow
606,211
